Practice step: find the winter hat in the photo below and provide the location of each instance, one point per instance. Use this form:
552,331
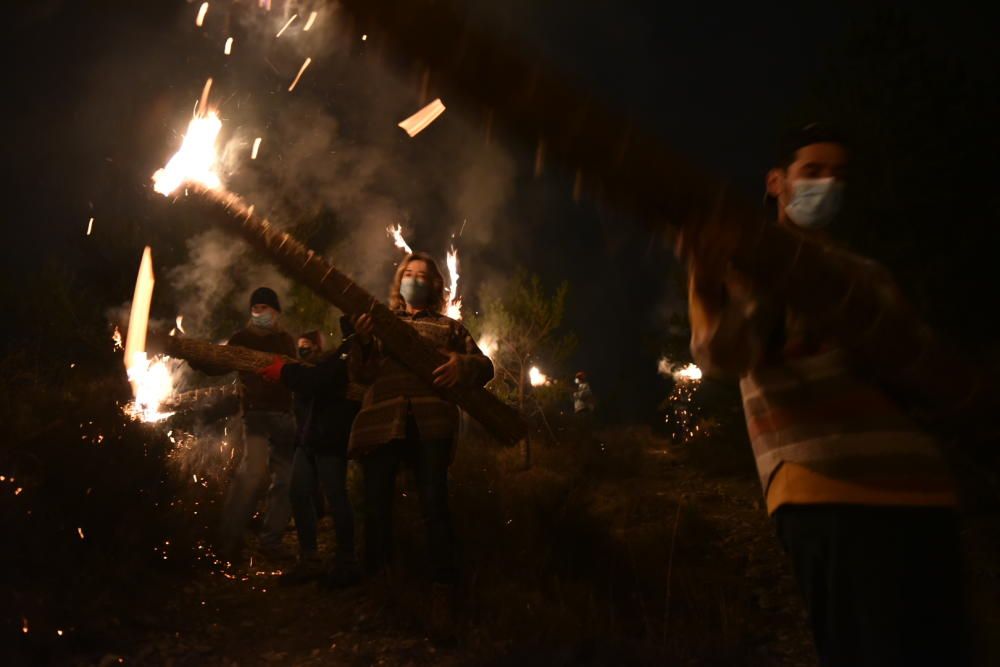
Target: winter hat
265,296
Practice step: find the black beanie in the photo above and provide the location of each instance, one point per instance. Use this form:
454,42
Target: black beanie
266,296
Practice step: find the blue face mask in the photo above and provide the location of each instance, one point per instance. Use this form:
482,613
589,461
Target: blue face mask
264,320
415,291
815,202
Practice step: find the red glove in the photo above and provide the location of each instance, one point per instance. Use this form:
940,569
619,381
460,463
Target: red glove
272,373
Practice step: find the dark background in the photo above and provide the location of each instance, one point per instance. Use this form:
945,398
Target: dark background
99,91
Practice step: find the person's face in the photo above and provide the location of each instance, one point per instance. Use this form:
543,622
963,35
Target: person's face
261,309
305,347
824,160
418,270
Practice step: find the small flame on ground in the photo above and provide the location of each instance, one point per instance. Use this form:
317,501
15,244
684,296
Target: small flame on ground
229,46
310,21
90,226
397,237
256,147
285,27
299,75
200,19
420,120
454,301
537,377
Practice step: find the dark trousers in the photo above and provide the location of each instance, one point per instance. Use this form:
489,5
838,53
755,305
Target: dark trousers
882,584
314,474
429,460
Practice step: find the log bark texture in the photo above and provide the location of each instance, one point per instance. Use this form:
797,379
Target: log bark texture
620,164
208,398
312,270
203,353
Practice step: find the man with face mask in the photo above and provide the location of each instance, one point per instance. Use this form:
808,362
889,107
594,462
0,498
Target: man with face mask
861,497
268,435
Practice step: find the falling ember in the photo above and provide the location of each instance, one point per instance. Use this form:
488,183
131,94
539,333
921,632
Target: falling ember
420,120
228,49
454,301
285,27
24,625
310,21
200,19
299,75
364,38
537,377
79,531
90,226
397,237
256,147
180,323
196,161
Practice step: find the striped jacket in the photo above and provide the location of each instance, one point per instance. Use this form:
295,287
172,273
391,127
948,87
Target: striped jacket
803,401
396,393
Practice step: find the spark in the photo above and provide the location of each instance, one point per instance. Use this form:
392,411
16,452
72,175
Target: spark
117,338
200,19
203,100
79,532
689,372
256,147
397,236
285,27
364,38
180,322
90,226
228,49
60,632
299,75
420,120
24,625
18,490
310,21
196,161
537,377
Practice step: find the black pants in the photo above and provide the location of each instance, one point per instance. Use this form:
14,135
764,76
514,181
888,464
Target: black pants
882,584
429,460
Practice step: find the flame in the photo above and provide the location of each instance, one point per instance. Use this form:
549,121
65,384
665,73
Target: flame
197,159
310,21
454,310
117,338
150,379
200,19
688,373
419,121
488,345
537,377
397,237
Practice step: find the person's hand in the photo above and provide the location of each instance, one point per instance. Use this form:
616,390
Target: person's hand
364,326
272,373
449,373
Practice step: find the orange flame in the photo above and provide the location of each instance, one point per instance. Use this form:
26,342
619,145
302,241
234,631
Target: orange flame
454,310
537,377
397,237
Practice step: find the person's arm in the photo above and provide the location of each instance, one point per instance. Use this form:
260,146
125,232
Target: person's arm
329,375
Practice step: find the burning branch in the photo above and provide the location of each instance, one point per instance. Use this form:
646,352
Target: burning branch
203,353
210,398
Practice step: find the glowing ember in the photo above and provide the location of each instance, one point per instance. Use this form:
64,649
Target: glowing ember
689,373
310,21
537,377
397,237
287,23
299,75
256,147
24,625
420,120
117,338
90,226
488,345
454,310
79,531
228,49
364,38
197,159
200,19
180,323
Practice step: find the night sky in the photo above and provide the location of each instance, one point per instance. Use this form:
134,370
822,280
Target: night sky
100,89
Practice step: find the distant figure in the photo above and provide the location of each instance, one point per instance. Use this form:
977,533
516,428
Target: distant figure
326,405
404,421
583,397
268,434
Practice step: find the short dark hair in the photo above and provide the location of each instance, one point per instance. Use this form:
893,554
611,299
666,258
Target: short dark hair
813,133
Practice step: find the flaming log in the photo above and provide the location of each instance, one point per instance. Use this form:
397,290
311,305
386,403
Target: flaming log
312,270
209,355
620,164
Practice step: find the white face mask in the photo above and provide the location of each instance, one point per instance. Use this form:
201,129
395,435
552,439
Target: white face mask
815,202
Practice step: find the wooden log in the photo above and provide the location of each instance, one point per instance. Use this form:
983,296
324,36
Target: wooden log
207,398
312,270
209,355
621,164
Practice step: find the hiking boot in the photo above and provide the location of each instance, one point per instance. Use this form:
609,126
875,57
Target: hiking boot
341,575
442,613
307,568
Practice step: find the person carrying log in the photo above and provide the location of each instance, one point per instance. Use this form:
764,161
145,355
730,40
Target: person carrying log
861,497
327,403
268,436
405,421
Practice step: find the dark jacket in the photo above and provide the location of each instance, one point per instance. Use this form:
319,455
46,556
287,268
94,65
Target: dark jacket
258,394
324,412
